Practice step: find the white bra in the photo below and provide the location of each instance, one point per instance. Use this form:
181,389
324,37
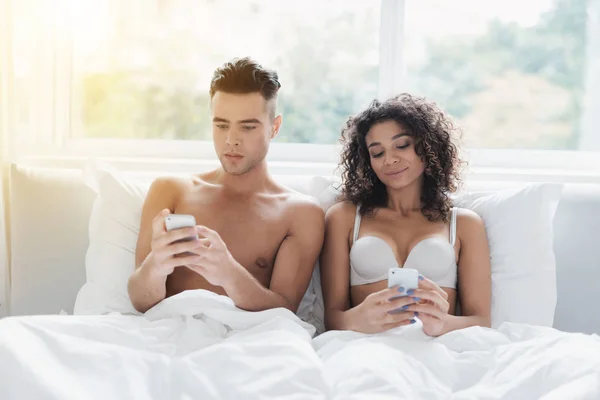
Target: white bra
371,257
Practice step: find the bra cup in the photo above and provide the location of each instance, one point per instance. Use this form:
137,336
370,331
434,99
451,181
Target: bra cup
371,258
433,259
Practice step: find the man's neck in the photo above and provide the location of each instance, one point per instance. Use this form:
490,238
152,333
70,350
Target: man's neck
254,181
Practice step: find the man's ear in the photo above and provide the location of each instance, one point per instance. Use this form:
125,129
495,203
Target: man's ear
276,126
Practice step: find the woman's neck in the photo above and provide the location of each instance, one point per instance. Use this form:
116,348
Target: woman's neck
405,200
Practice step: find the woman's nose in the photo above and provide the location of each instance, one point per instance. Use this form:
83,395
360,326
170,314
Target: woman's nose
390,159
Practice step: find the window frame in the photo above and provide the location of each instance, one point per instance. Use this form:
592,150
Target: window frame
54,136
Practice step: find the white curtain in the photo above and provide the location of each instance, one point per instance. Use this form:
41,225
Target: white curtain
4,234
6,149
35,82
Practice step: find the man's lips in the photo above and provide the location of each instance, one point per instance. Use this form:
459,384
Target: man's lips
233,155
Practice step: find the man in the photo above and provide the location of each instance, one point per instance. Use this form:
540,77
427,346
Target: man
257,240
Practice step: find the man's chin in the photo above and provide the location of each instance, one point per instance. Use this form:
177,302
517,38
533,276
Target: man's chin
236,170
235,173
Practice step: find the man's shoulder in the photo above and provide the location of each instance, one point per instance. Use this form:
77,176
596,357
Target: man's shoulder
171,183
300,209
170,186
300,205
342,211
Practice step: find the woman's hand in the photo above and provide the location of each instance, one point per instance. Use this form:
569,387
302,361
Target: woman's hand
381,311
431,305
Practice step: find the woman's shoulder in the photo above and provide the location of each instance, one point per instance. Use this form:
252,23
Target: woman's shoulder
341,213
464,214
468,222
467,214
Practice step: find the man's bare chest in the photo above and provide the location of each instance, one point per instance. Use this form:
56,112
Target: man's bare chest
252,232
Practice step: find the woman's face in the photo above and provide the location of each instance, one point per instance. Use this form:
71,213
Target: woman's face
393,155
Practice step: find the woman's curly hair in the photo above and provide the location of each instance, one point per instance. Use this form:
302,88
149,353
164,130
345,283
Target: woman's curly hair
434,134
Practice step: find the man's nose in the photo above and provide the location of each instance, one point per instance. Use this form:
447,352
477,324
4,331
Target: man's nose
232,138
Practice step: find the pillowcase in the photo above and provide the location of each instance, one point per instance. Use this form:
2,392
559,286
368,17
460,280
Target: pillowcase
520,234
519,229
113,231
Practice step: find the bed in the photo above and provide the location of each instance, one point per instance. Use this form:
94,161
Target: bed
198,345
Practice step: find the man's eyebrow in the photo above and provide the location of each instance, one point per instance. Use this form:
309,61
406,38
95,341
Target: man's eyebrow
218,119
250,121
394,138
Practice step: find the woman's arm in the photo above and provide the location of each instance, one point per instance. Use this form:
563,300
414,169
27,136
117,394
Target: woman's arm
474,273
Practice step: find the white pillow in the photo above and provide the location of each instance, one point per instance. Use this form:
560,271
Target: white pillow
520,234
114,228
519,229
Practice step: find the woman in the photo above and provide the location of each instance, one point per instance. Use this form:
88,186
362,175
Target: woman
400,165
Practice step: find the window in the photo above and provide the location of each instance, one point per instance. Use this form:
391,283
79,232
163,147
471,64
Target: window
514,73
142,68
130,78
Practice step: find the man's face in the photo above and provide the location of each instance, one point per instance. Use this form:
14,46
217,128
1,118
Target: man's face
243,127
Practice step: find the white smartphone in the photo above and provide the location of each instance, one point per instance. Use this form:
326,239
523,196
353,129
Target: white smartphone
178,221
406,277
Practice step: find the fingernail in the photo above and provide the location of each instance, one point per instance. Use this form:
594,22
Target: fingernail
410,291
416,298
401,289
412,321
404,307
421,277
416,314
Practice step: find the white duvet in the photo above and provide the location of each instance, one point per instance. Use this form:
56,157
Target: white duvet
197,345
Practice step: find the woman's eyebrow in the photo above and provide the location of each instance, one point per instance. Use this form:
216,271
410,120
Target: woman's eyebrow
394,138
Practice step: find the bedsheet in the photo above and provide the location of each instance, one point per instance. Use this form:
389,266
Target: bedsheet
198,345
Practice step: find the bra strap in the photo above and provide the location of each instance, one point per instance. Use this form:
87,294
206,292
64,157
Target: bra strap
356,224
453,226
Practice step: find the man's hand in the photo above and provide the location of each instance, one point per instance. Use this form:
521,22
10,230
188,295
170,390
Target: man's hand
214,261
165,254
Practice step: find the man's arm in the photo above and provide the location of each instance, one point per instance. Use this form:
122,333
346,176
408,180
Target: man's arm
146,285
294,265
